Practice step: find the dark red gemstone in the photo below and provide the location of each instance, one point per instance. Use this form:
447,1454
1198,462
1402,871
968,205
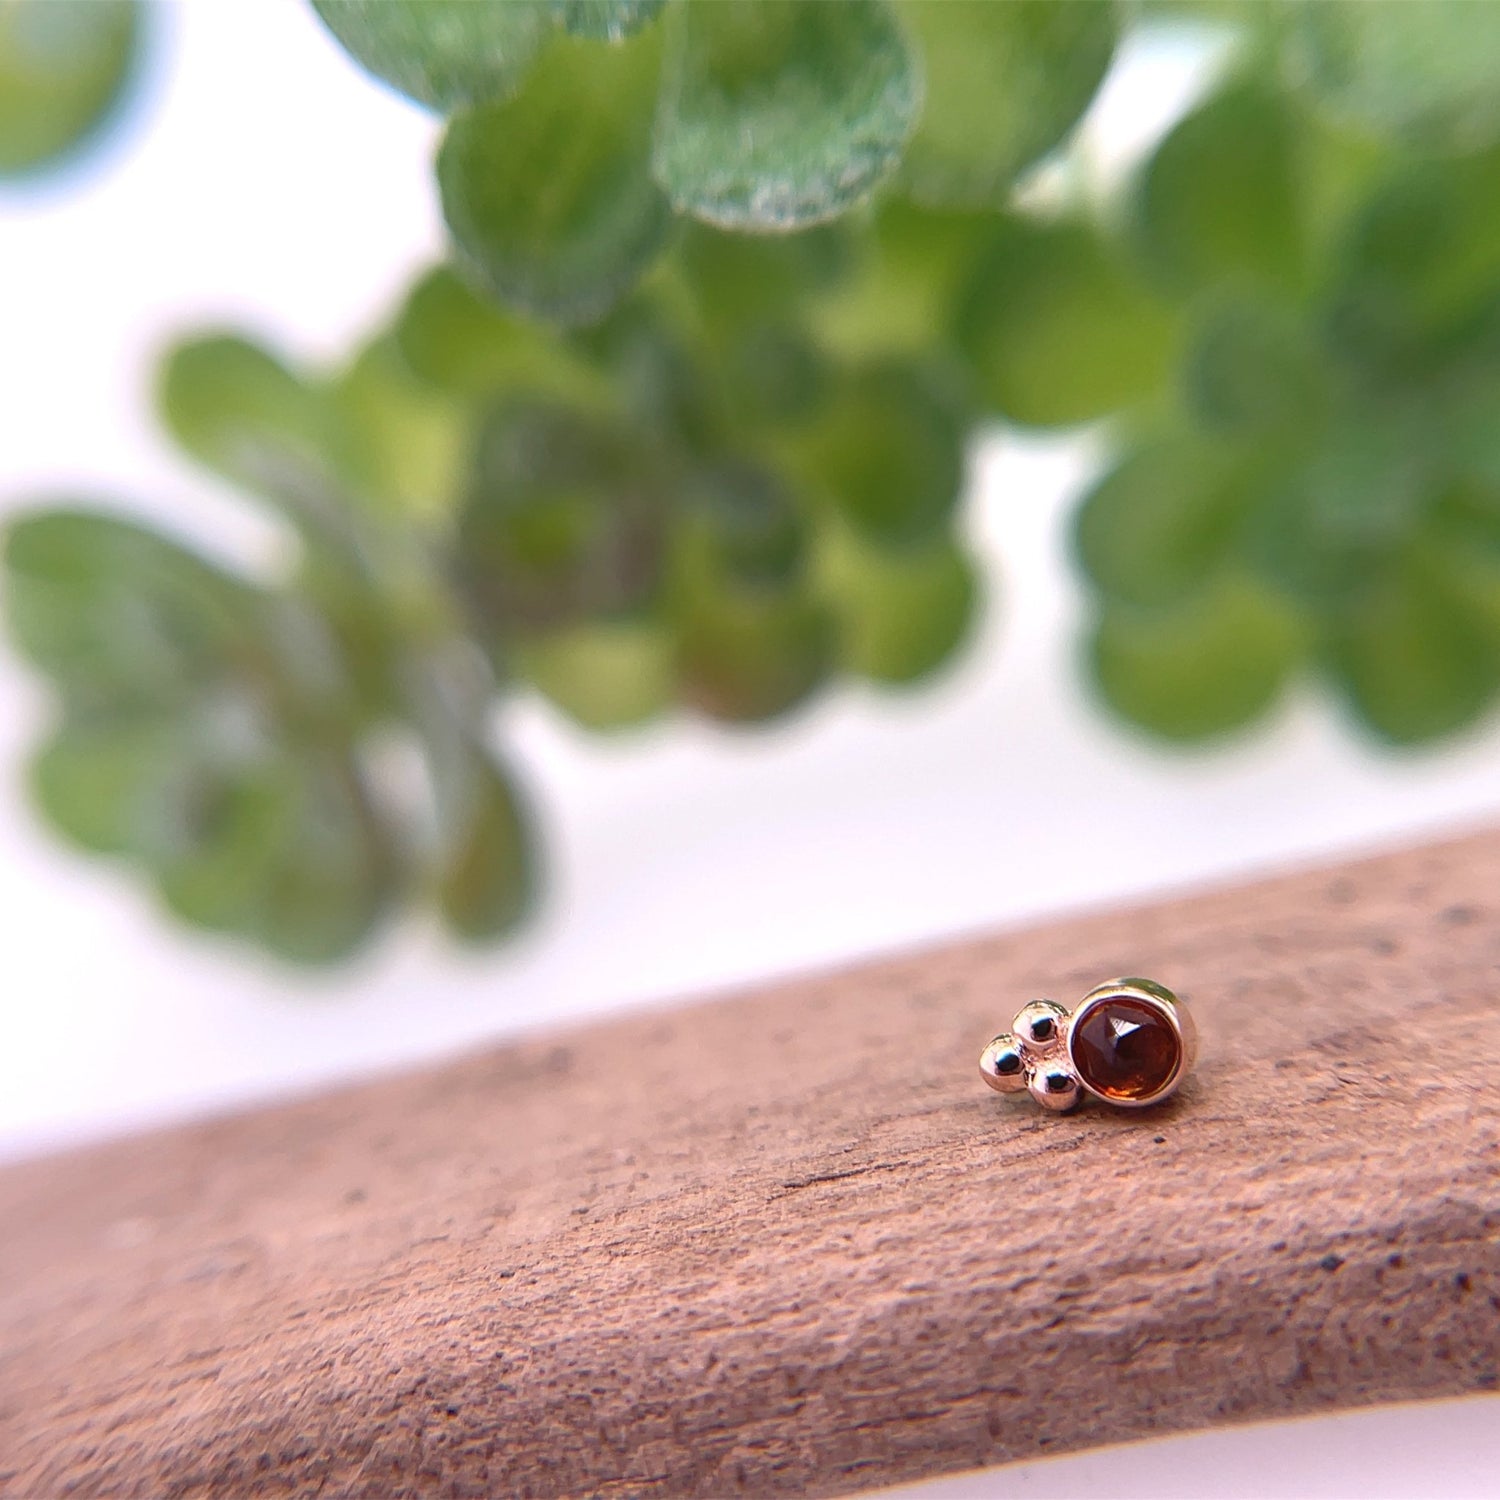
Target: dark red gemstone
1125,1049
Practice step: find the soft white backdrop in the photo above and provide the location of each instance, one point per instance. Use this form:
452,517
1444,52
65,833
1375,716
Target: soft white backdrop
264,182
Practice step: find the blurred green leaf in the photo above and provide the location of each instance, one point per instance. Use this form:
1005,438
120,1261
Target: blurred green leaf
605,20
108,785
1056,331
114,611
464,346
749,657
284,849
549,196
563,521
1411,655
269,840
1424,73
444,53
1219,199
1351,504
402,445
739,280
1214,664
656,373
63,67
487,881
1419,266
774,378
739,530
905,274
1005,84
901,615
1253,370
1162,524
782,113
241,412
605,674
888,451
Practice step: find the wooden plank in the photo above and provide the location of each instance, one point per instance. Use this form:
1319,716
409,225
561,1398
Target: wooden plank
788,1242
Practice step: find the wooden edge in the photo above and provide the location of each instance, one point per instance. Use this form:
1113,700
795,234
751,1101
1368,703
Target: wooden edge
788,1242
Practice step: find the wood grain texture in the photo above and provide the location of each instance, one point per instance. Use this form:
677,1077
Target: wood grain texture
788,1243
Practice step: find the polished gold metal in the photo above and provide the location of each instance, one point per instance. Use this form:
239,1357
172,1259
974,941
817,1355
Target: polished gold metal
1049,1054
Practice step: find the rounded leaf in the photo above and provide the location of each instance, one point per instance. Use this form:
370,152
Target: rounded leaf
1251,369
604,674
1055,329
563,521
239,410
782,113
283,849
444,53
114,611
901,615
487,882
402,445
465,346
906,274
109,784
1005,84
1219,199
1419,267
739,280
888,451
747,658
1215,664
63,67
1161,525
605,20
1321,530
549,196
1424,73
1410,654
739,529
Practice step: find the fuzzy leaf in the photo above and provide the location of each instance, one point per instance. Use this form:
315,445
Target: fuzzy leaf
63,67
1056,331
1219,198
901,615
549,196
443,53
1005,83
1423,73
111,610
1411,656
889,450
1161,525
109,785
237,409
747,658
403,445
562,522
604,674
487,881
782,113
1251,369
605,20
1213,665
282,848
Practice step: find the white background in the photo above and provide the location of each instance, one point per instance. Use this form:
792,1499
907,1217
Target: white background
263,182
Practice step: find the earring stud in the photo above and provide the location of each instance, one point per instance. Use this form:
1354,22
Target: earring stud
1128,1042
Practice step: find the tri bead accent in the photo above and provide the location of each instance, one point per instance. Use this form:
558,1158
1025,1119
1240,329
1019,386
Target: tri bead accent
1129,1042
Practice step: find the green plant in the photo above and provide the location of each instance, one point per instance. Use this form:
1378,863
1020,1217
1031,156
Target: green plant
683,425
63,69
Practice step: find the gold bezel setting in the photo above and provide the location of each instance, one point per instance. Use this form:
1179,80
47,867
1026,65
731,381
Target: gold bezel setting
1040,1055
